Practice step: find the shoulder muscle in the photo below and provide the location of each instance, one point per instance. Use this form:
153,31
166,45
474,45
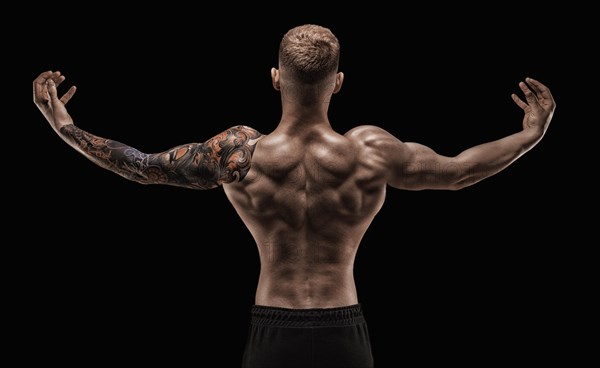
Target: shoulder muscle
378,143
227,156
380,149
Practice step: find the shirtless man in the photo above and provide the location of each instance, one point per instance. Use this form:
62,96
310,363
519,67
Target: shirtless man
306,193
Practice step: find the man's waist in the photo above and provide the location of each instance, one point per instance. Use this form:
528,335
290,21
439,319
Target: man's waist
307,317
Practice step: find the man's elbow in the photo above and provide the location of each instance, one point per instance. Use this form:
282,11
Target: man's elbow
461,184
466,179
460,174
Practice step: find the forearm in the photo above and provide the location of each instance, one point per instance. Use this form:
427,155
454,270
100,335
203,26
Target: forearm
487,159
108,154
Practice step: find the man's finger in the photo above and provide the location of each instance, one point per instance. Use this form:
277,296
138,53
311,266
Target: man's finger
52,90
67,96
529,96
42,77
59,80
539,88
519,102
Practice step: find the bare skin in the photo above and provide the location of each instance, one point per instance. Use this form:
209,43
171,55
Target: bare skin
306,193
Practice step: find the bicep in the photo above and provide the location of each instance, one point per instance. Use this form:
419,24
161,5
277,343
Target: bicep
222,159
419,167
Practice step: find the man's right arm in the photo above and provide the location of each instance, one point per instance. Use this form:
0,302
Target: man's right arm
414,166
222,159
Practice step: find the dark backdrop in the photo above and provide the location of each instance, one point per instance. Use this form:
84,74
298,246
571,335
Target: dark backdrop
120,272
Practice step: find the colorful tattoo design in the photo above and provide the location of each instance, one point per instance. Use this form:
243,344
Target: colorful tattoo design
222,159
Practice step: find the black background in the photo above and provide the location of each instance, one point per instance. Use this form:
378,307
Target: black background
118,272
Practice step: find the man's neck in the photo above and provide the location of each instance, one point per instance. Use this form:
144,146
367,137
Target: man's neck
303,116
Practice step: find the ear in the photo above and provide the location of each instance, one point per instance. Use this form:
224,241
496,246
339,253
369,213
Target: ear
275,78
339,79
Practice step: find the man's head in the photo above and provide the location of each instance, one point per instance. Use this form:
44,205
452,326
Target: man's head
308,62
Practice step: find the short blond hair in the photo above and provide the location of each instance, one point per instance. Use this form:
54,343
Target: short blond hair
310,52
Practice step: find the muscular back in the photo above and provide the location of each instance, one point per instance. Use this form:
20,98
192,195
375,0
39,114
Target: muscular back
306,193
307,200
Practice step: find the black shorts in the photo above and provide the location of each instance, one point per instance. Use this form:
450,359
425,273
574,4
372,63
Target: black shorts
308,338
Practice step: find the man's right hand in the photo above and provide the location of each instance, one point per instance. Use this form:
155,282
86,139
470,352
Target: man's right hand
46,99
539,107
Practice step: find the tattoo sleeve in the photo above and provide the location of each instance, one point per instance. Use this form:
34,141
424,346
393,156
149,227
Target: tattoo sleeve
222,159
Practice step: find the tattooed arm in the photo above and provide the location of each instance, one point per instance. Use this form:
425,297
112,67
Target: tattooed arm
222,159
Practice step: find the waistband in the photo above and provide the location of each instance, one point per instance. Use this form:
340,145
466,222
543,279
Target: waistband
314,317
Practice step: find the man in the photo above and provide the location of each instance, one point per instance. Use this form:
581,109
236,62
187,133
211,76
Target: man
306,193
